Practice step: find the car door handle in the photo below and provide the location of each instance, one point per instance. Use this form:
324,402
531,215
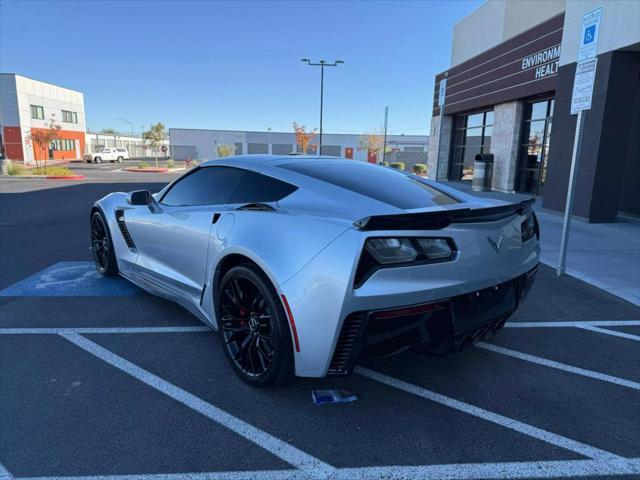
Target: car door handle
216,217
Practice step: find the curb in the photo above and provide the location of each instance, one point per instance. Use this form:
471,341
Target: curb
68,177
47,177
147,170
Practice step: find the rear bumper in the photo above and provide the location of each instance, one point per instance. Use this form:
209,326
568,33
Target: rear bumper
442,325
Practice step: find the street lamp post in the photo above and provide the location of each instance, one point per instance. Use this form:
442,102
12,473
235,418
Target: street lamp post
321,64
130,124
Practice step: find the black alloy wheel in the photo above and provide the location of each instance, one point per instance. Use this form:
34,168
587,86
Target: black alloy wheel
102,247
253,328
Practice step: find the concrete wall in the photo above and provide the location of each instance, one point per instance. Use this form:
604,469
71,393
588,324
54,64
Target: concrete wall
438,157
497,21
619,26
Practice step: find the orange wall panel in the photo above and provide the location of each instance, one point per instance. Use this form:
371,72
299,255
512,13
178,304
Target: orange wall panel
41,153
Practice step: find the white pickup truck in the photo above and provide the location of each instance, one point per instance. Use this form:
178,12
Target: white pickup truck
105,154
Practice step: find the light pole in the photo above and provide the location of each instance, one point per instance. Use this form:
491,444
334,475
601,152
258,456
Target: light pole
130,124
321,64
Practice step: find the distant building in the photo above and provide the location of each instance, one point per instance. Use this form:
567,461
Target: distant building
133,143
202,145
27,105
511,80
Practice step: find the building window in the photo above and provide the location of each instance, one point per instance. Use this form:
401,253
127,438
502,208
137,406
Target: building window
69,117
63,145
37,112
534,149
472,135
238,148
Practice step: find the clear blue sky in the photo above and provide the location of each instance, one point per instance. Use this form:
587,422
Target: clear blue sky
236,65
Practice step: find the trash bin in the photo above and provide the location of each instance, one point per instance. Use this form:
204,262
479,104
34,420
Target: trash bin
482,172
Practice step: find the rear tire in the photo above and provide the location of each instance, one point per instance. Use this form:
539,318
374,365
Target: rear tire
104,255
98,160
254,330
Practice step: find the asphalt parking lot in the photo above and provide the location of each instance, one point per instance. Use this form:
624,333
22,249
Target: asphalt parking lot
101,380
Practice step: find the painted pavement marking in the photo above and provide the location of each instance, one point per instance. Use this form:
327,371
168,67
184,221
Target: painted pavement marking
463,471
510,423
273,445
613,333
95,330
71,279
559,366
580,324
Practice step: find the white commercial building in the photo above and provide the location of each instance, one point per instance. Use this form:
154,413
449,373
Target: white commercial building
27,106
202,145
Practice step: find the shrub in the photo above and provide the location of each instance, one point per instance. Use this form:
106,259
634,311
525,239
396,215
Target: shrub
143,165
398,165
420,169
16,169
171,164
385,164
49,170
57,171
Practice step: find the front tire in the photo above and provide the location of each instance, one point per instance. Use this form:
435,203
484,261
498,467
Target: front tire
98,160
254,330
104,255
120,159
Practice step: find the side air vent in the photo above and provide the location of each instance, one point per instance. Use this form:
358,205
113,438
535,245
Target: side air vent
343,356
123,229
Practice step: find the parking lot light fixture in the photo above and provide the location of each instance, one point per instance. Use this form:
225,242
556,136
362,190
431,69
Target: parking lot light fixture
321,64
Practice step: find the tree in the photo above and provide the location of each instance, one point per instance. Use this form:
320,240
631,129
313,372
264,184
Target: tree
373,142
154,137
43,137
303,138
225,150
111,131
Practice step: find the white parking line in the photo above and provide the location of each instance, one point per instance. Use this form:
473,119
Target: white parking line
91,330
464,471
4,473
273,445
613,333
560,366
595,323
510,423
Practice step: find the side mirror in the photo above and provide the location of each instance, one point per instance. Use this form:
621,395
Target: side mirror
140,197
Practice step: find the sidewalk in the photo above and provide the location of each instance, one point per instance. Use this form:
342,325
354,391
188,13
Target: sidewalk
606,255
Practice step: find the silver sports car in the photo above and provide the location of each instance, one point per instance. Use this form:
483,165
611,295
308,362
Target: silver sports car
306,264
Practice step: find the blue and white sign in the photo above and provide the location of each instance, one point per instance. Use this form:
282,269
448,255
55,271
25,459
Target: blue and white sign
583,85
589,34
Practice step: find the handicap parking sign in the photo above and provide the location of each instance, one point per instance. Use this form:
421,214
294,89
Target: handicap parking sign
589,34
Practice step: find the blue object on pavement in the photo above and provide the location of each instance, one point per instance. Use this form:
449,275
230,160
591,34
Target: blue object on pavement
71,279
323,397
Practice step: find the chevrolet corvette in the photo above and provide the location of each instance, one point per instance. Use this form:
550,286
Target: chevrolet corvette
304,265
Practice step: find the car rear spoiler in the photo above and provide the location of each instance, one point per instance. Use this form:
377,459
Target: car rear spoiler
441,219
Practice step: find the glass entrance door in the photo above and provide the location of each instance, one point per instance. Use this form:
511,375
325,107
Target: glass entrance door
534,149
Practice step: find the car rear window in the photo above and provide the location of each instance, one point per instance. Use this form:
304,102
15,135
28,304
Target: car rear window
380,183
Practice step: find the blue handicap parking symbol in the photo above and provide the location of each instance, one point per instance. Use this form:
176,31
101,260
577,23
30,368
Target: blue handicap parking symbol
71,279
589,34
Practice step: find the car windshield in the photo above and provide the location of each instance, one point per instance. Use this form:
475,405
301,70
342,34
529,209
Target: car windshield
380,183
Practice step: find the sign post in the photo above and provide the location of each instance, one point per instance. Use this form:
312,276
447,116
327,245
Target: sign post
442,90
580,103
